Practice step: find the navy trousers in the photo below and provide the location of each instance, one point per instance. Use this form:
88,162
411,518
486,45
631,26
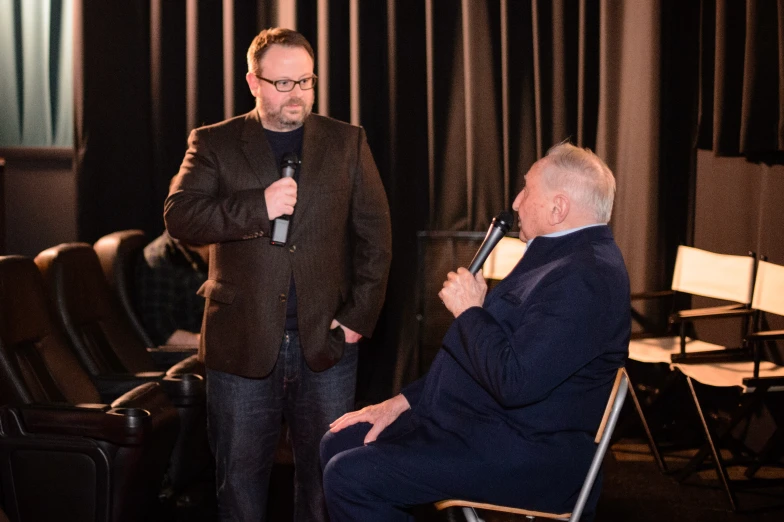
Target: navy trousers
411,464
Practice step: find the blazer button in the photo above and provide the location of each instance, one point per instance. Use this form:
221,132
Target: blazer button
293,248
282,298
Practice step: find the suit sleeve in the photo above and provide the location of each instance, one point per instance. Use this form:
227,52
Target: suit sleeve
552,337
195,210
371,239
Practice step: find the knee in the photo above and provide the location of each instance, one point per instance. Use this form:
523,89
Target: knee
346,439
327,448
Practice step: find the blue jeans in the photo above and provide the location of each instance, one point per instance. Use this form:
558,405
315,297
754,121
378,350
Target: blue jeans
244,417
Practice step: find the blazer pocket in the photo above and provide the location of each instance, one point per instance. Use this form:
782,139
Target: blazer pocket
219,291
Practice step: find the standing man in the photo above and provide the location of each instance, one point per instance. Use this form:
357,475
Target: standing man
281,322
509,409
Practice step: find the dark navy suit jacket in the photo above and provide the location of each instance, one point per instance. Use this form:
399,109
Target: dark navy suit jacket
513,399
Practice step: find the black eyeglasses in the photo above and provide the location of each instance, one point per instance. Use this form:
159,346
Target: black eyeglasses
288,85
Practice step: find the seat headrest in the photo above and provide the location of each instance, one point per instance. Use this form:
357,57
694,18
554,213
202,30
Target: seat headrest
116,251
75,281
24,308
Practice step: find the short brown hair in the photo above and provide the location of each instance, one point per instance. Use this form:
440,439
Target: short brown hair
274,36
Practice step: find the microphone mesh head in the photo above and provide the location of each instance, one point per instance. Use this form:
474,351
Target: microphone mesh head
504,220
289,159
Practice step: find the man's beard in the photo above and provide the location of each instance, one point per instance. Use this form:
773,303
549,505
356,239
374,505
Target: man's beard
275,114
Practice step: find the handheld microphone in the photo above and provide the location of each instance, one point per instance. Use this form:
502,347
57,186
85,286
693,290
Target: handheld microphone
498,229
280,227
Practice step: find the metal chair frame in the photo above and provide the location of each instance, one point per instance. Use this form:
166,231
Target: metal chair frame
603,436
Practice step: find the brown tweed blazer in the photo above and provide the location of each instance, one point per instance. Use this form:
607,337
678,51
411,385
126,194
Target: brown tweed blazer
338,249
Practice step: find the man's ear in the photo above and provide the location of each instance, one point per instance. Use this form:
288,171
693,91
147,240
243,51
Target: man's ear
560,209
253,82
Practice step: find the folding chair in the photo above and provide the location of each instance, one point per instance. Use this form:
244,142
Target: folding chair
728,278
503,258
707,274
603,435
755,375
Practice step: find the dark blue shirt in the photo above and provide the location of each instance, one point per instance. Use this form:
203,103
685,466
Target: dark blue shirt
281,143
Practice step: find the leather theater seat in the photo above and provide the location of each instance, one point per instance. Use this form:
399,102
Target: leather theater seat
118,254
110,350
65,455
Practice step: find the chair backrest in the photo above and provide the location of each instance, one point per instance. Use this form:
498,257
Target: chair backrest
503,258
603,436
118,253
91,316
36,363
769,288
719,276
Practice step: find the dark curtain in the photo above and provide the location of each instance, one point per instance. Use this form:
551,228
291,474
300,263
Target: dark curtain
742,78
458,98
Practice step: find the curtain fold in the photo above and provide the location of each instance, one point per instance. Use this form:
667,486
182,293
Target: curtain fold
36,95
10,77
628,130
742,77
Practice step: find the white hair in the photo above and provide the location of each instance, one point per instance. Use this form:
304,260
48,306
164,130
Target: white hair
583,176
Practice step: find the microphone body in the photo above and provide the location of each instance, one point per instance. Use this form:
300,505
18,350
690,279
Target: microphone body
280,227
498,229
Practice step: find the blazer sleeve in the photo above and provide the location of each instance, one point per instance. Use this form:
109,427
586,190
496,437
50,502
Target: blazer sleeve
371,239
552,336
196,212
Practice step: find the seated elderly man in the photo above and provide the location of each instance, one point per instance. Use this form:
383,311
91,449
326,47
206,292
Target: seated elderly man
509,408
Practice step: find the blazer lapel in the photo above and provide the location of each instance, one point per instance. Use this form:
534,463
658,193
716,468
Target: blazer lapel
257,150
316,144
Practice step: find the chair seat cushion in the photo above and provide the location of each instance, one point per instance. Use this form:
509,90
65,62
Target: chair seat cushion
661,349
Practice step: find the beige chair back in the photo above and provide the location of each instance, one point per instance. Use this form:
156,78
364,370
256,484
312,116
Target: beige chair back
769,288
503,258
708,274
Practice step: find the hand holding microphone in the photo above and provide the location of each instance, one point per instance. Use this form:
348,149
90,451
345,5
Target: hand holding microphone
466,287
281,198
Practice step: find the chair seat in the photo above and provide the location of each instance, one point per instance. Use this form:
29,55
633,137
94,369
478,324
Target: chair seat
661,349
506,509
729,374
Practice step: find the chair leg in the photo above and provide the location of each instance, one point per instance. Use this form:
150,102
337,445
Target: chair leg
768,453
720,469
651,442
748,404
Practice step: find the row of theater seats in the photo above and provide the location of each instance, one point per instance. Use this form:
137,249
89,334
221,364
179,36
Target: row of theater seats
95,424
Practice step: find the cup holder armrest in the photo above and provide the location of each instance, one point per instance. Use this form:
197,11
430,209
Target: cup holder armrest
121,426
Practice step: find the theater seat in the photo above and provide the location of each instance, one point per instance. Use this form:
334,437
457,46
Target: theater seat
92,318
64,454
118,253
109,350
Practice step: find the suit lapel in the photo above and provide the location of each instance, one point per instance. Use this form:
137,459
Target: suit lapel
257,150
316,144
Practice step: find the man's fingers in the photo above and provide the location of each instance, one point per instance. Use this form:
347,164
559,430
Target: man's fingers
342,417
349,419
372,435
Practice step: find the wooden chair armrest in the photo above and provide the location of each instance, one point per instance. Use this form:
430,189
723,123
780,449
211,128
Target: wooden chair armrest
766,335
714,312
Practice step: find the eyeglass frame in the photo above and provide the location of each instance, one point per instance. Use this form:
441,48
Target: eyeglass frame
293,82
